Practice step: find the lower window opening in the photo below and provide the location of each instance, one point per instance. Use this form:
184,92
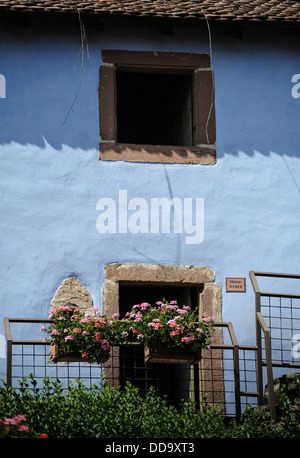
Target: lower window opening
176,381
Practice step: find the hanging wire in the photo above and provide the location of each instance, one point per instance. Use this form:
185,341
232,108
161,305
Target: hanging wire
84,46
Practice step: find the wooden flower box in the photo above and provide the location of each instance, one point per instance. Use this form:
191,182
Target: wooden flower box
159,353
63,357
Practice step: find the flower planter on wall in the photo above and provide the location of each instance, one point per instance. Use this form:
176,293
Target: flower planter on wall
76,337
62,357
158,353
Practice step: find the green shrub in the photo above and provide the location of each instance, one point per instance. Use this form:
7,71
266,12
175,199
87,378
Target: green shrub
104,412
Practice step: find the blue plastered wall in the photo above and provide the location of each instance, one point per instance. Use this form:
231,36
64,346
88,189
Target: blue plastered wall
51,178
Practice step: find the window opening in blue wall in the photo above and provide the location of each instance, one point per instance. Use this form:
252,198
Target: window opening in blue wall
176,381
154,108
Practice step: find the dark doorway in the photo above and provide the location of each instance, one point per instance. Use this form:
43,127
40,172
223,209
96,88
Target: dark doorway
176,381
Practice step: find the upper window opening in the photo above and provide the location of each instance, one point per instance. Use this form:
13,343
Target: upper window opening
157,107
154,109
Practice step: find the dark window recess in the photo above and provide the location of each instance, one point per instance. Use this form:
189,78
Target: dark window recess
154,109
175,381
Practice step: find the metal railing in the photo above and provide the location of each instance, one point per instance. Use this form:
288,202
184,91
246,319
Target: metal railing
277,320
227,373
218,375
32,356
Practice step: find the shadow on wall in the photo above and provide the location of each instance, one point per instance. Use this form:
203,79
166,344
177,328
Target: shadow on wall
254,112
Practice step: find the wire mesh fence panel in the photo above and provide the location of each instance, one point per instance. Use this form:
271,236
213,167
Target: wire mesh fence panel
248,377
211,381
282,316
35,360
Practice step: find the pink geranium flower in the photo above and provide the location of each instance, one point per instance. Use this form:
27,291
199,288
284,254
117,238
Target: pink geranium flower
69,338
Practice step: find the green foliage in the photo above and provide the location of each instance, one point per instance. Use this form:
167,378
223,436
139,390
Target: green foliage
96,412
289,413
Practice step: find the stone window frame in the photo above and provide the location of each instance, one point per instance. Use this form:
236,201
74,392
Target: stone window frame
209,301
204,129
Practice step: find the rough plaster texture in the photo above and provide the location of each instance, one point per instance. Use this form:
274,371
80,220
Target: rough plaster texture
51,177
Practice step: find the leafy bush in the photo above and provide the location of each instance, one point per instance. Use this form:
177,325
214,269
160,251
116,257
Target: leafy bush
104,412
